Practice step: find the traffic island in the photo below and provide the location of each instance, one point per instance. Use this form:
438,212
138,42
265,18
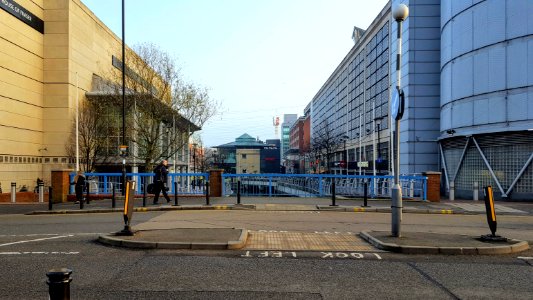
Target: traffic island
439,243
181,238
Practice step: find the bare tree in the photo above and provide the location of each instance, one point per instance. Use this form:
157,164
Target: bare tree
90,145
324,144
162,110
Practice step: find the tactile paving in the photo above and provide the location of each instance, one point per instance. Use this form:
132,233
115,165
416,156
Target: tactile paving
303,241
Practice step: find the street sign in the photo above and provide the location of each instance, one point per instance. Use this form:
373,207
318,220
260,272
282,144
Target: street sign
362,164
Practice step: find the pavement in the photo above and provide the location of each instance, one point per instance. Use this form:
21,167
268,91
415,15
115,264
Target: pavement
241,238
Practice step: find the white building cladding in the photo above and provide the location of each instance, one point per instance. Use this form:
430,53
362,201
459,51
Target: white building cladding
487,95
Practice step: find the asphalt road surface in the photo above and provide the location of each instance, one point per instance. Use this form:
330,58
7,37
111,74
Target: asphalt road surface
32,245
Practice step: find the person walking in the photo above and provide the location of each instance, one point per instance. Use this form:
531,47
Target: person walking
79,185
160,180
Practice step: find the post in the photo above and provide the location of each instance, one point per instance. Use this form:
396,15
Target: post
333,196
207,192
452,190
476,191
144,193
175,193
400,13
50,198
59,283
88,191
41,192
491,212
365,195
123,147
239,191
113,196
13,192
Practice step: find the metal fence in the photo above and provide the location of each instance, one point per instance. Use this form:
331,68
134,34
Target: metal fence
102,183
318,185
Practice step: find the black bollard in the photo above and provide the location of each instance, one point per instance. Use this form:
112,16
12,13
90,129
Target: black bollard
59,283
145,187
49,198
207,192
333,196
239,192
175,193
113,197
87,197
365,199
81,201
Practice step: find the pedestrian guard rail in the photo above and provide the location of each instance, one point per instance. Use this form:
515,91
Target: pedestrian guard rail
320,185
103,183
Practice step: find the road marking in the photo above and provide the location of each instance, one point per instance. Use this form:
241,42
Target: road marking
39,253
525,258
36,240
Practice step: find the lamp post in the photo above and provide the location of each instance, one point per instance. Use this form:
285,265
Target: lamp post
399,13
123,147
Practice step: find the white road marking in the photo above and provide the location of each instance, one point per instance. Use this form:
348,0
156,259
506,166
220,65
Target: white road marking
525,257
36,240
39,253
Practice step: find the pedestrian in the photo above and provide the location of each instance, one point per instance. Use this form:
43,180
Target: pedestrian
79,185
160,181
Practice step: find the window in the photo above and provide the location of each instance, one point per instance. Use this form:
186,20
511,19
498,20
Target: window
243,156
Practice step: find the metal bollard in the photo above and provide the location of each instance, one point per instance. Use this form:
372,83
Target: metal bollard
113,196
333,196
59,283
239,192
41,192
207,193
145,187
175,193
365,195
452,191
475,195
87,197
13,192
50,198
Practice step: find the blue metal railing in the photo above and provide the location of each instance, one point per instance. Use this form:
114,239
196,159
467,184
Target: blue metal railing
319,185
102,183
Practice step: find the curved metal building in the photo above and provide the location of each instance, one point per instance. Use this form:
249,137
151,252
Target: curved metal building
486,119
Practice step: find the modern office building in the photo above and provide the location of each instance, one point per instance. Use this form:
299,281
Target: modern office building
249,155
467,77
54,55
288,120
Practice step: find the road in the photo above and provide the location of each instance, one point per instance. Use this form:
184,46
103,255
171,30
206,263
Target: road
31,245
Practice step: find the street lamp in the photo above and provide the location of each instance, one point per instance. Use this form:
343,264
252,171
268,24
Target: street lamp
399,14
123,147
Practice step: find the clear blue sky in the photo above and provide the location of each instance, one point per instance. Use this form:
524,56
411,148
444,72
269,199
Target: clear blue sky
258,58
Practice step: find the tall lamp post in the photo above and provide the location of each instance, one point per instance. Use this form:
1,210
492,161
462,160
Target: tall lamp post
399,13
123,147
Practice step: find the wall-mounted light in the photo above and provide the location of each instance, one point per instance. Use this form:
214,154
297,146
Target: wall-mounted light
43,149
450,131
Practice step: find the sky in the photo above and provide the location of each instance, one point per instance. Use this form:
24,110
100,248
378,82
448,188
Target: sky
258,58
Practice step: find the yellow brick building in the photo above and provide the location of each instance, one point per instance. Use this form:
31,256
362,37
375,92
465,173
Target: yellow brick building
50,51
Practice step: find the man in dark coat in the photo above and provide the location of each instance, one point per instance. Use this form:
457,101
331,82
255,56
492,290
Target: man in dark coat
160,180
79,185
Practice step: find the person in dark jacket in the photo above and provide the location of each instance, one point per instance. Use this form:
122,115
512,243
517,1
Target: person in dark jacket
79,185
160,180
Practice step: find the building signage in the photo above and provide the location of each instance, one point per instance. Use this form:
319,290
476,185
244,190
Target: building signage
22,14
362,164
